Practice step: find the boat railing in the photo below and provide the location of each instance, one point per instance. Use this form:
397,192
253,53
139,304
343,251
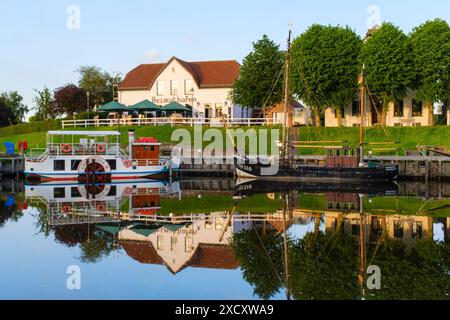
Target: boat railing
149,162
71,149
37,154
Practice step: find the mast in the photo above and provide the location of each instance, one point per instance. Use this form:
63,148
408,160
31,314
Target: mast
286,96
285,202
363,105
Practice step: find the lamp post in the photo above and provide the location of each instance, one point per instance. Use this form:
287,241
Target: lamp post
192,103
87,98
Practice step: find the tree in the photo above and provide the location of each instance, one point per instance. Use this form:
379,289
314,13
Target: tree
325,67
389,69
6,115
430,44
68,99
260,82
43,101
98,83
13,101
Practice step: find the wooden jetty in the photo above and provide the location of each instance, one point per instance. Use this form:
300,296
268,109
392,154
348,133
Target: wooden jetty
11,164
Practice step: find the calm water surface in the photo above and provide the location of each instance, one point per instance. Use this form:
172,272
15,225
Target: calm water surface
222,239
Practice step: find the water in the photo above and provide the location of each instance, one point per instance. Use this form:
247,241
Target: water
213,239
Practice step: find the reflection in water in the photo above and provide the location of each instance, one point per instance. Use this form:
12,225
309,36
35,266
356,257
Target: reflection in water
305,241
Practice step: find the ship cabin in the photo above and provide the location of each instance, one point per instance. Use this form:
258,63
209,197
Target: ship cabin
341,157
143,151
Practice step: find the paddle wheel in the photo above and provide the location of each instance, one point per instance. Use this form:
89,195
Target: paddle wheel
93,172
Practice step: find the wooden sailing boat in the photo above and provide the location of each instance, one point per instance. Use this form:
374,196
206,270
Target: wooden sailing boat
344,165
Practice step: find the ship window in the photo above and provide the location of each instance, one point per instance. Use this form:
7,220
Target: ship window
59,165
152,148
112,164
74,164
112,192
59,193
74,192
417,230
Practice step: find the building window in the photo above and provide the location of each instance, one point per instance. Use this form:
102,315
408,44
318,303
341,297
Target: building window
219,110
59,165
398,229
208,111
188,87
173,243
416,108
398,108
160,242
188,244
173,87
160,88
417,232
356,108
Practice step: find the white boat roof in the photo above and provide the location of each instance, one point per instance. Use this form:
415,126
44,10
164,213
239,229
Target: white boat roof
85,133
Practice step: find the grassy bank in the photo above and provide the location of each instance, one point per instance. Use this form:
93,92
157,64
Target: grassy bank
406,138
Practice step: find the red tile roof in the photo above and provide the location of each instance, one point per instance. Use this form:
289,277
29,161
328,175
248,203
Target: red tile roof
207,74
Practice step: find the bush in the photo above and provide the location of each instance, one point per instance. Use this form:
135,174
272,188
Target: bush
33,126
85,115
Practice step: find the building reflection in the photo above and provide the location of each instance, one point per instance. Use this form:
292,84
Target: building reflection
131,216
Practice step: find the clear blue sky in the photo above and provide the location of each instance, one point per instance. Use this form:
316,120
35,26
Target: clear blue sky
37,48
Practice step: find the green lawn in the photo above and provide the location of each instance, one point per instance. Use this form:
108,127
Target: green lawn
407,138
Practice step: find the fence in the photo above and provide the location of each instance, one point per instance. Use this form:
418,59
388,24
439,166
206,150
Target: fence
172,121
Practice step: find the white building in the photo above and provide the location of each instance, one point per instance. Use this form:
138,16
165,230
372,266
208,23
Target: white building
205,86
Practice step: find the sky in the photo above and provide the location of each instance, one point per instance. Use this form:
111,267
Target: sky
44,42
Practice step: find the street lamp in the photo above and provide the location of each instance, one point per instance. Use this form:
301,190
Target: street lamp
87,96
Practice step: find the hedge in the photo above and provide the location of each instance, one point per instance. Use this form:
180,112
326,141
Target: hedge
38,126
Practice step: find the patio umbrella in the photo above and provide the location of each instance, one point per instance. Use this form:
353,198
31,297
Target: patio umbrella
114,106
175,106
146,105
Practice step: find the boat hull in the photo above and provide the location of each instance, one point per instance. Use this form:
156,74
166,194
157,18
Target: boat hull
245,169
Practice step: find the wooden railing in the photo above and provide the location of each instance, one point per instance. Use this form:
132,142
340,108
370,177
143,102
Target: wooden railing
172,121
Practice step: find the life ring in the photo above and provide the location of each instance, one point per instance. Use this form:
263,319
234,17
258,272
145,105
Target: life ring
66,148
66,209
101,148
100,207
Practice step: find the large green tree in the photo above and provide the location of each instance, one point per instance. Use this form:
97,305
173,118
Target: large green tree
389,68
98,83
325,68
42,100
430,43
260,83
14,101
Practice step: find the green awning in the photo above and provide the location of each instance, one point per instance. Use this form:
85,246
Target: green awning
114,106
174,227
112,229
146,105
175,106
145,230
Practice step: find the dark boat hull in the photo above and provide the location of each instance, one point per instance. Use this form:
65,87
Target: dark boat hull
247,187
245,169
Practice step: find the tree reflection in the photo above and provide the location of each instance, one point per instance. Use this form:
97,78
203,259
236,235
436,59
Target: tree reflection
95,245
420,272
324,266
259,253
